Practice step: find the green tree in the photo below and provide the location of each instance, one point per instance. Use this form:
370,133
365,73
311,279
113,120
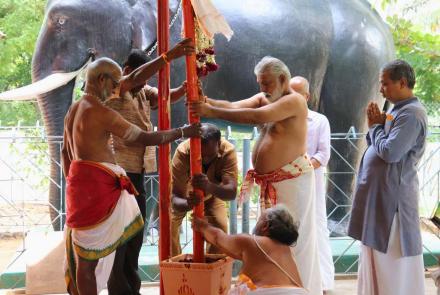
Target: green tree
415,25
422,51
20,21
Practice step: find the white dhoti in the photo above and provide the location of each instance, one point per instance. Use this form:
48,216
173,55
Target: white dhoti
268,291
323,235
245,286
390,273
294,186
98,242
298,195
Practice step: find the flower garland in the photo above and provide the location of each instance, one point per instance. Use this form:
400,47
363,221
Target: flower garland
205,57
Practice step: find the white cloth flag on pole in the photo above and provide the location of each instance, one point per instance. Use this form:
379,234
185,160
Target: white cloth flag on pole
210,19
51,82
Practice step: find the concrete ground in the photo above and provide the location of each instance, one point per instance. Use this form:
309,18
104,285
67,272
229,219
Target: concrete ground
342,287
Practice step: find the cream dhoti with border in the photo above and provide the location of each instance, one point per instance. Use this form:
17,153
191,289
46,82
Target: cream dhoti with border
297,192
101,240
390,273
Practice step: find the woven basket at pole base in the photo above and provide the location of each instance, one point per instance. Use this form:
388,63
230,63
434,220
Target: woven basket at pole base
187,278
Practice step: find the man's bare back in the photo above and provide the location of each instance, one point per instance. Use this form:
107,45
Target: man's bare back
86,137
262,271
274,232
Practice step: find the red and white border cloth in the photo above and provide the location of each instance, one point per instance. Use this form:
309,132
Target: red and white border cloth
100,241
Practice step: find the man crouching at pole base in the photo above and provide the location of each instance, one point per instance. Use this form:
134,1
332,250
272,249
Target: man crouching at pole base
218,181
268,265
281,165
102,212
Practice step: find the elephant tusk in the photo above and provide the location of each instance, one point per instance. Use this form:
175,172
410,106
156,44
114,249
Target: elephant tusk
49,83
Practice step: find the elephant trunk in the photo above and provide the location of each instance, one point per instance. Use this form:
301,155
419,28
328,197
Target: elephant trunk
54,106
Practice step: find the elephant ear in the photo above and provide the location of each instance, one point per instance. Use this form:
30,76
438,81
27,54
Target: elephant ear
143,23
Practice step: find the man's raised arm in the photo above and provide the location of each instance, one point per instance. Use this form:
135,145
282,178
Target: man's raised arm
287,106
255,101
175,95
140,75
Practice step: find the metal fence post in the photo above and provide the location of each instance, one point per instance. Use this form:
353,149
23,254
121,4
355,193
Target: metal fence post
232,204
246,166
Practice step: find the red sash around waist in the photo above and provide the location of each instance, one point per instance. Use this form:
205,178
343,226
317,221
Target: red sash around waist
92,193
268,193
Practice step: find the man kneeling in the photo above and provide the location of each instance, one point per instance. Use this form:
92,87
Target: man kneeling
268,264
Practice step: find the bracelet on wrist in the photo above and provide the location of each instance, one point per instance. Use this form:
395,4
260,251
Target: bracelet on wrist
165,58
181,132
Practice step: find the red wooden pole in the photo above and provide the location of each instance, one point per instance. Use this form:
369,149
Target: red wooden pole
193,95
164,124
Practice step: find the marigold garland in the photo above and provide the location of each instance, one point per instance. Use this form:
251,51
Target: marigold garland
205,54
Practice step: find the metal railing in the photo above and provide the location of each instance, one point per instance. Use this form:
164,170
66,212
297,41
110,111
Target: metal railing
24,181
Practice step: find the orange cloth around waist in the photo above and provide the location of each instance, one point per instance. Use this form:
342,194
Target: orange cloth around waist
92,192
268,194
244,279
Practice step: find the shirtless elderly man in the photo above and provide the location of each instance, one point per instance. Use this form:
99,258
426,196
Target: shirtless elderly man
281,166
268,266
102,212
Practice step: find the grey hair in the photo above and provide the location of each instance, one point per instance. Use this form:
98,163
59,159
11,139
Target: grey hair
281,226
269,64
400,69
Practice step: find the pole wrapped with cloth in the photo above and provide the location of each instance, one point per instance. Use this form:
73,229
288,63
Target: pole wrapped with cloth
211,22
195,143
163,36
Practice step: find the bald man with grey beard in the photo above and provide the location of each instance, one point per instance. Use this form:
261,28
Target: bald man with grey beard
102,212
281,165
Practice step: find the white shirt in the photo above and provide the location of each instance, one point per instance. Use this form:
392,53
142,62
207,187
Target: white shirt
318,147
318,138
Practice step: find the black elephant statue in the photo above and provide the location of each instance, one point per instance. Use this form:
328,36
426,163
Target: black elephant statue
338,45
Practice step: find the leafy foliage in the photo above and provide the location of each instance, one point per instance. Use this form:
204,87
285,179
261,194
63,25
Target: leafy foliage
14,112
20,21
422,51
